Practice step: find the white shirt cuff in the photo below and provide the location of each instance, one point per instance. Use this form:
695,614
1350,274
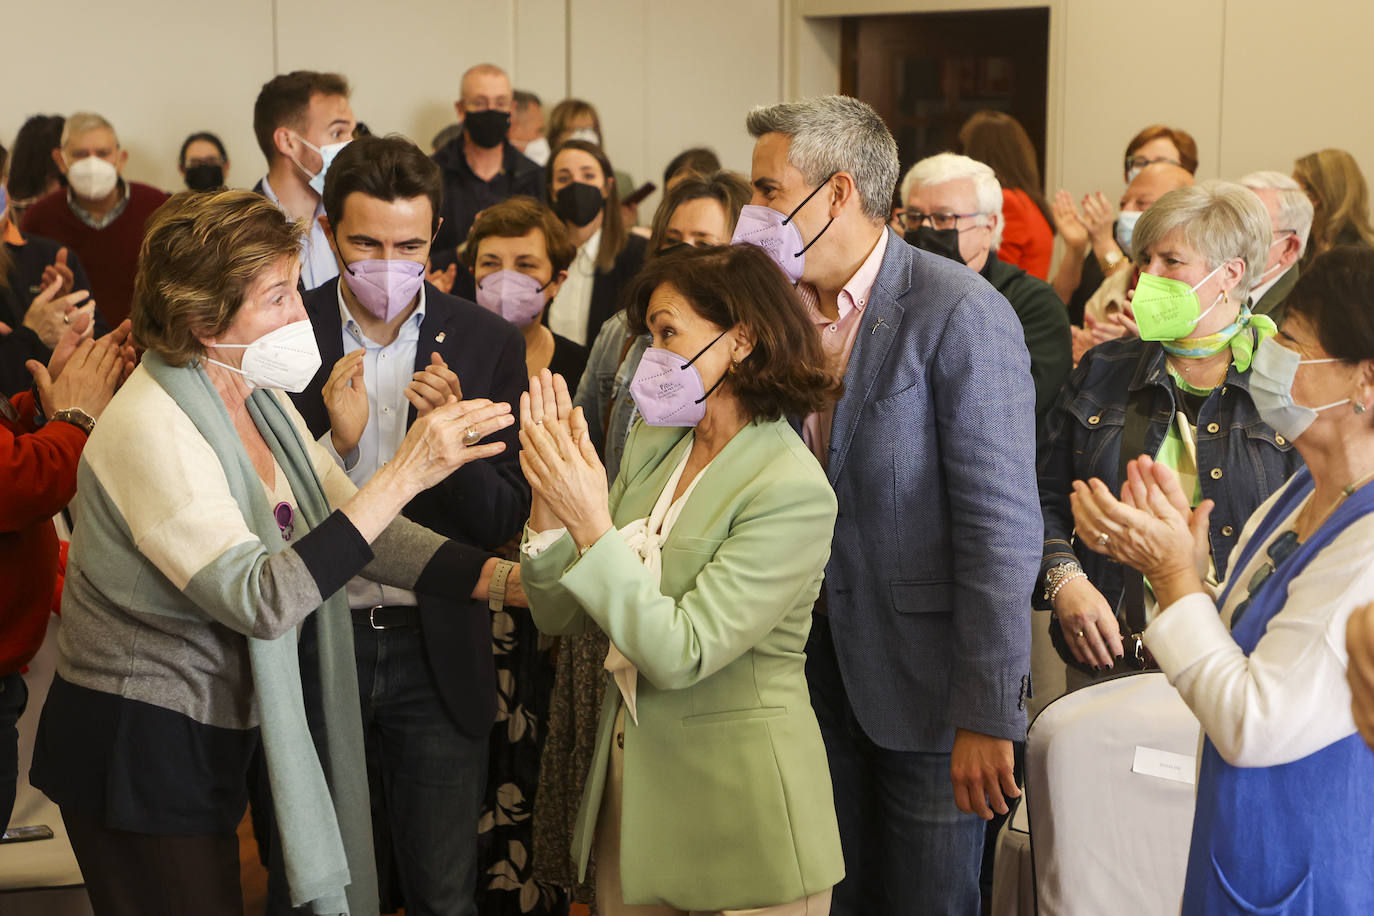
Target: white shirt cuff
537,543
1186,632
327,441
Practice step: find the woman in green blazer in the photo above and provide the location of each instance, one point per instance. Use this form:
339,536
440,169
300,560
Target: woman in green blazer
709,789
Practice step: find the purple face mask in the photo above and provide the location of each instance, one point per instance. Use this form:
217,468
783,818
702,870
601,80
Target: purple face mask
514,296
385,288
669,392
777,234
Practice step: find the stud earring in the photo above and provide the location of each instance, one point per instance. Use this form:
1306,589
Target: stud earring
1358,406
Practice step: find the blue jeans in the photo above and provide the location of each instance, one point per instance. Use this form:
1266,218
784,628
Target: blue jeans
907,848
426,777
14,696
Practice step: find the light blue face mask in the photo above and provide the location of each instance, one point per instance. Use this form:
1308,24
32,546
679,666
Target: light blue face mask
1271,388
327,154
1125,229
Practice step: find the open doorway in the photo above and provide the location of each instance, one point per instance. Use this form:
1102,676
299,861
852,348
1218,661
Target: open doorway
926,73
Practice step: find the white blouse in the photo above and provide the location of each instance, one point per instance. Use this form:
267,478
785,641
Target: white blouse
645,537
1289,698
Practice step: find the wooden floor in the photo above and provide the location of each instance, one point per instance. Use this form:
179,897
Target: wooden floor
254,877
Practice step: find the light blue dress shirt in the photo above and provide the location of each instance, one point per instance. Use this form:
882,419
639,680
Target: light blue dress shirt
317,258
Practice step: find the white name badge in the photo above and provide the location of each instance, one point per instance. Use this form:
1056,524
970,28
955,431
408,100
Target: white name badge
1150,761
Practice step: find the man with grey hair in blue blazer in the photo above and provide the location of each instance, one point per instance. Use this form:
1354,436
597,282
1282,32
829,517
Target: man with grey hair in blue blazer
919,654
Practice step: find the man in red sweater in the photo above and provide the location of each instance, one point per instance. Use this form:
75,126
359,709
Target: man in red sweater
99,215
38,458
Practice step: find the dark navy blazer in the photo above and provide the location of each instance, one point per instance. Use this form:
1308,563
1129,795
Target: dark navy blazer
937,544
483,504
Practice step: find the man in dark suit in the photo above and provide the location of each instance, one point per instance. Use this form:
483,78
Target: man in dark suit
394,348
1290,217
919,654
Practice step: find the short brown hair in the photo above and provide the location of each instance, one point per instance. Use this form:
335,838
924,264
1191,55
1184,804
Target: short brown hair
729,285
567,111
516,217
1181,139
201,253
284,100
388,168
729,189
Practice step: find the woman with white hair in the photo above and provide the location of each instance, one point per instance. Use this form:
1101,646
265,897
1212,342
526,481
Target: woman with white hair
1178,392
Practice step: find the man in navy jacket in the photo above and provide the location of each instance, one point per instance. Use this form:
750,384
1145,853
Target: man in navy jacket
919,654
393,347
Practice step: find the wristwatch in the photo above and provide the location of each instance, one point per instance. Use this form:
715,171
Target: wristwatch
1112,258
76,417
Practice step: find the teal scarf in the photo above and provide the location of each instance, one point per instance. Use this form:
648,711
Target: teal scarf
322,811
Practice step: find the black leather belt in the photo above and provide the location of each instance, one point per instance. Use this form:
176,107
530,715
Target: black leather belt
387,616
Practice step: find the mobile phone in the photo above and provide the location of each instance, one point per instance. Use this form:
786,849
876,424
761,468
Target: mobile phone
25,834
642,192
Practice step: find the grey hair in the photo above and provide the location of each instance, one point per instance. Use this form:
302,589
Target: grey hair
1220,220
1295,208
84,122
836,133
946,167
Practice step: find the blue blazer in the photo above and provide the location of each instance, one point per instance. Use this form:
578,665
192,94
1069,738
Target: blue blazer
937,544
483,504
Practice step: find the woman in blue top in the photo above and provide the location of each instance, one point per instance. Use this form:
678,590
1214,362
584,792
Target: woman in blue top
1284,806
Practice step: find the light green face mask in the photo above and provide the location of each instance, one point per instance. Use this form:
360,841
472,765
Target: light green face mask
1168,309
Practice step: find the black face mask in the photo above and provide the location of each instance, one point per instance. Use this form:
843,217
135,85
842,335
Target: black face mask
944,242
578,203
205,177
487,128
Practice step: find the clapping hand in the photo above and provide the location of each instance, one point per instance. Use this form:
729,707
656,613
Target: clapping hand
566,476
1098,214
51,313
345,400
83,373
432,386
1067,221
442,280
59,271
1152,528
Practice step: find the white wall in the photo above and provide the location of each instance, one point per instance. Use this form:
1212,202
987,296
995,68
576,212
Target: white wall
1258,82
664,76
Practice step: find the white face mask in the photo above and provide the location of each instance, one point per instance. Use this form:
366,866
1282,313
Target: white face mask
286,358
92,178
588,134
538,150
327,154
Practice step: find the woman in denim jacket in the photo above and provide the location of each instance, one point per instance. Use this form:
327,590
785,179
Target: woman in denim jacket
1185,402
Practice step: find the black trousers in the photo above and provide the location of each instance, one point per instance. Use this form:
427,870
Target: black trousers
144,874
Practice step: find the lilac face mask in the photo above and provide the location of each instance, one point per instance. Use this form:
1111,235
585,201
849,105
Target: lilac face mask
514,296
777,234
669,392
385,288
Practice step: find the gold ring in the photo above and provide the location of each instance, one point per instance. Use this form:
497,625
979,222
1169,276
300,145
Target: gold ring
471,436
1080,634
66,319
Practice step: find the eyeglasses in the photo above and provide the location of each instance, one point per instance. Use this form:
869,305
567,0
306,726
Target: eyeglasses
914,219
1139,162
1280,550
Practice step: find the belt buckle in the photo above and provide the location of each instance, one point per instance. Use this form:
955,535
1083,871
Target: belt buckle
372,617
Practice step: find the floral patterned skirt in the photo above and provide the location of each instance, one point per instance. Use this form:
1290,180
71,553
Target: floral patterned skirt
506,883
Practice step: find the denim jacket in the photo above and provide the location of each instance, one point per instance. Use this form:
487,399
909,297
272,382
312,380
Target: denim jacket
1241,460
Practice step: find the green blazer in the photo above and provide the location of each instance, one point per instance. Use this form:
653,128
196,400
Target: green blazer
727,795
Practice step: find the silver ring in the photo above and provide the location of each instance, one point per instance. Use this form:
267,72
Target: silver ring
471,436
66,319
1080,634
1103,538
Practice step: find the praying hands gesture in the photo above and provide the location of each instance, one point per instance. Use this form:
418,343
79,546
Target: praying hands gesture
566,476
1152,528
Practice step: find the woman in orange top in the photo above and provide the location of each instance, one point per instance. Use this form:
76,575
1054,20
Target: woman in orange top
998,140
